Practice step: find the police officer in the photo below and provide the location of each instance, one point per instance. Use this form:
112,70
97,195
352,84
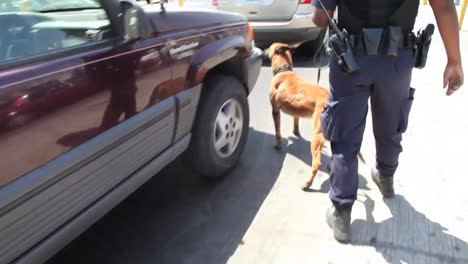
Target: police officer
381,39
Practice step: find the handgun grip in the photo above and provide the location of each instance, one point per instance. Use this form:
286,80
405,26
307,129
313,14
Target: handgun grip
430,29
427,33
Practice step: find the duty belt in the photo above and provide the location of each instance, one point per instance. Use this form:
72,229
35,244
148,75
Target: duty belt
408,40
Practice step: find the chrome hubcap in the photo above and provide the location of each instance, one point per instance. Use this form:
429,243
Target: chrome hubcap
228,128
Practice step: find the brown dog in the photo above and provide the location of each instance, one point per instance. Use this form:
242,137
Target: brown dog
291,94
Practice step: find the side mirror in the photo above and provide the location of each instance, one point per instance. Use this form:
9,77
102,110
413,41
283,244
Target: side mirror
135,22
131,28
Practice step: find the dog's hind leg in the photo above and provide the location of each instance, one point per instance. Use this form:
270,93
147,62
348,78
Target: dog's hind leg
275,111
296,126
316,149
316,146
277,120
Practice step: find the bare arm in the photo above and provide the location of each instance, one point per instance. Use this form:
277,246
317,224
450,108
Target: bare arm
320,17
447,23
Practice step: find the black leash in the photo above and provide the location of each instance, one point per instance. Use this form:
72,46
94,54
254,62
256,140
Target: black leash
318,75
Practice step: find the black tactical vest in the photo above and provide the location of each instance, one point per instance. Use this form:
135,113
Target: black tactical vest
356,14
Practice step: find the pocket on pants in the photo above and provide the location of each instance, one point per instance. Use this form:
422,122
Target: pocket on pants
405,111
344,119
328,121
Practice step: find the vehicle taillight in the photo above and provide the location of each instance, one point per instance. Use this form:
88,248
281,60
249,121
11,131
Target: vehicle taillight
214,2
251,35
305,1
250,30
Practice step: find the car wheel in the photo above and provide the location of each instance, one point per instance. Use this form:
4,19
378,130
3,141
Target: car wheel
221,126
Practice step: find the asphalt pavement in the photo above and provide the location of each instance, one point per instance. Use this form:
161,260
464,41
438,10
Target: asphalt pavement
259,214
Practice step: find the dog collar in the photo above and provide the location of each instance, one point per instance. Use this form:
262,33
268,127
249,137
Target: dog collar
282,69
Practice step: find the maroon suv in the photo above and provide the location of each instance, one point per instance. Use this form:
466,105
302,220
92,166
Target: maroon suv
96,96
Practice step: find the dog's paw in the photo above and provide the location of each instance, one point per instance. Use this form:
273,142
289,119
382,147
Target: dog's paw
278,143
306,185
297,133
278,146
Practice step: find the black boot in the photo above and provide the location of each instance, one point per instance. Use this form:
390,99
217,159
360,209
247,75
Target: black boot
385,183
339,221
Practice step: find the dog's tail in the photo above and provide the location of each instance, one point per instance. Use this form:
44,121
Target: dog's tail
361,157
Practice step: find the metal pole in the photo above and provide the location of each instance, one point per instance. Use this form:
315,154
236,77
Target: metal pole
462,13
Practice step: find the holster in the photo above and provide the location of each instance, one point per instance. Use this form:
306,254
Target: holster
423,41
420,55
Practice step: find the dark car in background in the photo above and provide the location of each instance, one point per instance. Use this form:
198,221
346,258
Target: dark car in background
96,97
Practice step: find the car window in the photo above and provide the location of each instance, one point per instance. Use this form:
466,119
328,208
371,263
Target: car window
34,27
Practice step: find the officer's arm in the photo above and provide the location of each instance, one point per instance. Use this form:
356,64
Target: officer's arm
320,15
447,22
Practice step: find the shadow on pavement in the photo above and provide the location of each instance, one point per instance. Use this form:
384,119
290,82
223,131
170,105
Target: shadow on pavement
300,148
408,236
178,218
325,186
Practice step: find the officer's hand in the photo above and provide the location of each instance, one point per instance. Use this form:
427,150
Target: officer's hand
453,77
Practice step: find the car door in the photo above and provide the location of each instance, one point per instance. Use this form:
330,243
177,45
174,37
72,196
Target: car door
261,10
80,111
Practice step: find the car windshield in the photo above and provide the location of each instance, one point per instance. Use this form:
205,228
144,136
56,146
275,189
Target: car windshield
47,5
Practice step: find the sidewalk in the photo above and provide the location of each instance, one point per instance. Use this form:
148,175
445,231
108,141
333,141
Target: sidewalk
428,220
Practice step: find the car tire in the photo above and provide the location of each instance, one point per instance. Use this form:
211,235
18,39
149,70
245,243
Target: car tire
220,129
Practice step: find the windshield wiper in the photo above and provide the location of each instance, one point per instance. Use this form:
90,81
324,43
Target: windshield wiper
67,9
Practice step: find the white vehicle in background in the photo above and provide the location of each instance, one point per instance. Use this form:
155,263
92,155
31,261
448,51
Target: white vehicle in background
205,4
287,21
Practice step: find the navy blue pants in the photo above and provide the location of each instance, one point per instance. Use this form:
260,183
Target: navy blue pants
386,82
